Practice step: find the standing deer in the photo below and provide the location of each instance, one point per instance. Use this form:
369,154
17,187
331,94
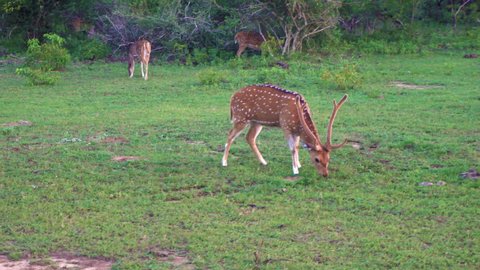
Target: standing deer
140,49
269,105
252,40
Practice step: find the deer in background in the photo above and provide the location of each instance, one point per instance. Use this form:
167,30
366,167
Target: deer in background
252,40
269,105
140,49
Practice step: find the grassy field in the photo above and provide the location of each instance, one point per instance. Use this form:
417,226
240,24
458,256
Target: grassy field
60,190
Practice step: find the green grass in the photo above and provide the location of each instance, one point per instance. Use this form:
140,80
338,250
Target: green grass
58,195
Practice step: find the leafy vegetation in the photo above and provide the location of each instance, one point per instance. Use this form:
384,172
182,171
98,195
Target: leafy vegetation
61,191
345,77
51,55
389,26
42,60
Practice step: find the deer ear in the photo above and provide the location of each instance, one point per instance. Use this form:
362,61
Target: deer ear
315,147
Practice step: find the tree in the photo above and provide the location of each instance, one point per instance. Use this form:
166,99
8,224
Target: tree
295,20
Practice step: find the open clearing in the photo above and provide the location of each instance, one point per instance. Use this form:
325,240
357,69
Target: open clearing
129,170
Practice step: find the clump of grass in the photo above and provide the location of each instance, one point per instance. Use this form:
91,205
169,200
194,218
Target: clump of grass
212,77
37,76
346,77
272,75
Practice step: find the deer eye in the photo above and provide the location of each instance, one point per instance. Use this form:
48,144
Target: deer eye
317,160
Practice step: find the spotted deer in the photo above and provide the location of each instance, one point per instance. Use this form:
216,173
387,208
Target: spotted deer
140,49
252,40
269,105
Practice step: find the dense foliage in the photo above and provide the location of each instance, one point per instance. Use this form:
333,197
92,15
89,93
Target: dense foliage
43,59
96,28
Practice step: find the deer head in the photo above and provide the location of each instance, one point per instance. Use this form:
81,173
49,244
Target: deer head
319,153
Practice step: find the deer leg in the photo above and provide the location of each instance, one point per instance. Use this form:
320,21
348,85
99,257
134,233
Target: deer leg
141,66
297,143
292,140
131,67
146,70
251,139
234,132
241,48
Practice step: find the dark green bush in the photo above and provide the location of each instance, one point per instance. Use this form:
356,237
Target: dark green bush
88,49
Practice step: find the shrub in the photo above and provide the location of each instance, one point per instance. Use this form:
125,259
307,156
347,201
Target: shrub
211,77
37,76
346,77
199,56
42,59
271,47
272,75
48,56
90,49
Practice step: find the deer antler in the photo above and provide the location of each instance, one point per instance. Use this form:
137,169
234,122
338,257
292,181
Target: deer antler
336,107
309,133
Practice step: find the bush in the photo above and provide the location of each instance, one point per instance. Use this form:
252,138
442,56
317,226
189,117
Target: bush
42,59
49,56
211,77
90,49
271,47
346,77
272,75
37,76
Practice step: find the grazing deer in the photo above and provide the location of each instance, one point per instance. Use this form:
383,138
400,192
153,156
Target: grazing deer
269,105
140,49
252,40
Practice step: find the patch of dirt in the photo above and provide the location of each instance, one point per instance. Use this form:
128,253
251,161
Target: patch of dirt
56,261
125,158
357,145
292,178
471,55
282,65
21,123
178,259
436,166
374,146
114,140
412,86
250,209
429,184
192,142
470,174
441,219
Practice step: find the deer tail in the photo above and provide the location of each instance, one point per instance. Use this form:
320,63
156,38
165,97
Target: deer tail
236,37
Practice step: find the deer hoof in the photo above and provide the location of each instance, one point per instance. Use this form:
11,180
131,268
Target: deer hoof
263,162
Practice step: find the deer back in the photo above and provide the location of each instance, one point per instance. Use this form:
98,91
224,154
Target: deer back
271,105
251,39
140,48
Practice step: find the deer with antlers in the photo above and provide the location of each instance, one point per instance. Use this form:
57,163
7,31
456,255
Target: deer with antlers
269,105
140,49
252,40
